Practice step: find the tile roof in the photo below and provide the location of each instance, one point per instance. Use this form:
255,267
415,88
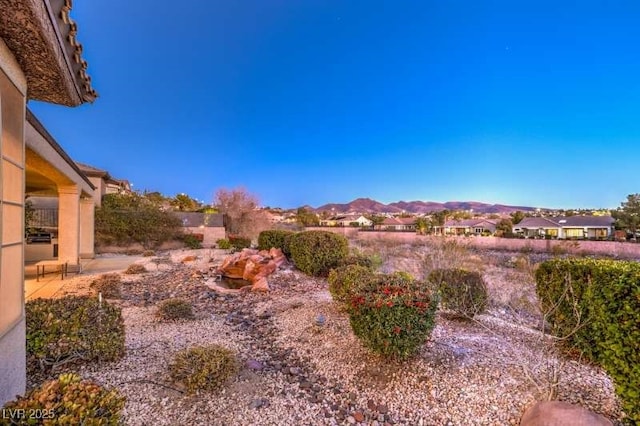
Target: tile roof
464,223
565,221
43,38
399,221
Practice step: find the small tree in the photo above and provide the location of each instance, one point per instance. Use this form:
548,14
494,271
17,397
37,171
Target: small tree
241,211
516,217
184,203
504,227
422,225
307,218
628,214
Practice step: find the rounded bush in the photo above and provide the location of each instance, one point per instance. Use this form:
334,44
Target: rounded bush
461,291
317,252
109,285
286,245
223,244
135,268
593,305
239,243
69,401
71,330
393,315
359,259
205,368
346,279
273,238
173,309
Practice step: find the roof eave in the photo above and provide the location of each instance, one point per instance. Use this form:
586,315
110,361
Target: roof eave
42,37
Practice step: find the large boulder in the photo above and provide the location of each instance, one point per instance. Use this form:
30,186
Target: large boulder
253,266
558,413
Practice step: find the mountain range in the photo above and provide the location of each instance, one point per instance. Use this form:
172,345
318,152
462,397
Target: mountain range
367,205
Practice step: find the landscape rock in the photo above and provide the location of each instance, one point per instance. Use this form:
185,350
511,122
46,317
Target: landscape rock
558,413
251,265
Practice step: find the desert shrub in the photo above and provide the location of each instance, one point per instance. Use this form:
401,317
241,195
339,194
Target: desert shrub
205,368
69,400
135,268
558,250
192,241
317,252
72,329
463,292
239,243
594,306
371,262
134,252
109,285
392,315
346,279
148,253
173,309
223,243
273,238
133,218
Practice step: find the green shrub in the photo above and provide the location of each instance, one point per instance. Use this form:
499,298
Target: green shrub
239,243
273,238
135,268
361,260
317,252
134,218
461,291
594,305
204,368
192,241
392,315
72,329
346,279
69,401
109,285
173,309
223,243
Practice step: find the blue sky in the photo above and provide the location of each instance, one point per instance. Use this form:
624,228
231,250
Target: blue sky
316,101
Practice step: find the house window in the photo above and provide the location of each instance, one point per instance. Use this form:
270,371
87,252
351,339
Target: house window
601,233
478,230
551,232
574,232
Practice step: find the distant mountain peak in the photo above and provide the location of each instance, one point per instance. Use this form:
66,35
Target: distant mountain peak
368,205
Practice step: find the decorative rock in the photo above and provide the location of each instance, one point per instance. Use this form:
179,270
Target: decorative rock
557,413
358,416
252,364
351,420
371,405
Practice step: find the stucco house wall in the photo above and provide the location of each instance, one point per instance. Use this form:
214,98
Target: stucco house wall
13,89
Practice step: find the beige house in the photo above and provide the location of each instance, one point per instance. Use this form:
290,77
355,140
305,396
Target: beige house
346,220
470,227
40,59
397,224
104,183
566,227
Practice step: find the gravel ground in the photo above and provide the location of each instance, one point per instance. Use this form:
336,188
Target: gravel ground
299,369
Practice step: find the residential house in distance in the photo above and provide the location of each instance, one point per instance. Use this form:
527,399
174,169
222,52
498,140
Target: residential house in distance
104,183
397,224
346,220
478,226
566,227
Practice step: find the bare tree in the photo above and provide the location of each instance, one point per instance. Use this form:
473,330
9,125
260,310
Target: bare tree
243,216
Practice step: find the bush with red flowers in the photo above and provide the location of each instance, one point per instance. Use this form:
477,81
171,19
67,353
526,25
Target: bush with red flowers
393,315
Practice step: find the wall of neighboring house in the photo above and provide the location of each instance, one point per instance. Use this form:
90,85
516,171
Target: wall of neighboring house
12,164
210,234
